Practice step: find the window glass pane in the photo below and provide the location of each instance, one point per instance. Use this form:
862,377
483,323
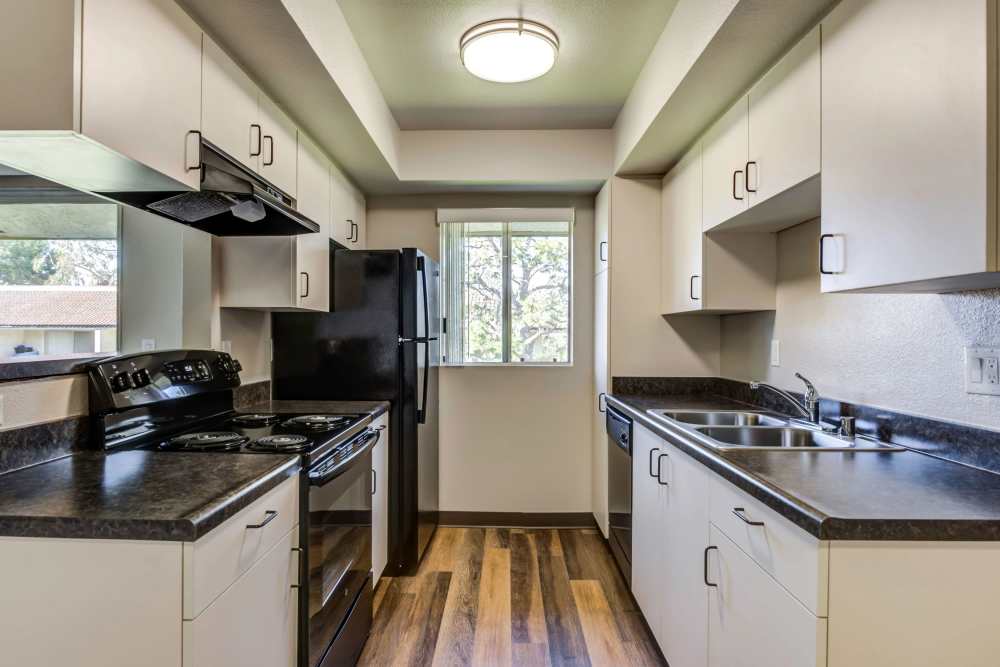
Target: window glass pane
539,302
482,291
58,280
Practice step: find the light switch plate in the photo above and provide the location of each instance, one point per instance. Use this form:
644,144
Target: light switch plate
148,344
982,370
775,352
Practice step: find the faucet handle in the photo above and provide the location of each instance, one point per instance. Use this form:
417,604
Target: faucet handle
811,393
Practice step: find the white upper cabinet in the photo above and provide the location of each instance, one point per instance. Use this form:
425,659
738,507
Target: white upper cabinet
278,146
348,212
313,250
602,229
909,146
230,117
724,154
681,211
140,83
709,272
784,129
242,121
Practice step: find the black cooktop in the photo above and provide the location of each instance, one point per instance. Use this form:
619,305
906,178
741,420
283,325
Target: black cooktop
311,435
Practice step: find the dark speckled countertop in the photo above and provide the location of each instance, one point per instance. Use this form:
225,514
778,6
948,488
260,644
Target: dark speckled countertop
149,495
844,495
136,495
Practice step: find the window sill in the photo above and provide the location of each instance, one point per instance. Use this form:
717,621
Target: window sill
46,367
510,365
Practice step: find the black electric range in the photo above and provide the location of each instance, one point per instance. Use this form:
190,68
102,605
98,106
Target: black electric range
182,400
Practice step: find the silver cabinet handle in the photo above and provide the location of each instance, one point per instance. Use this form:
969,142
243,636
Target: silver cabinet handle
691,288
306,276
735,174
269,516
651,452
659,468
374,481
599,397
741,515
602,251
746,176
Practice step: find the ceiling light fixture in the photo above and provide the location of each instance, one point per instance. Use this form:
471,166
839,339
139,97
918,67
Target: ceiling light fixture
509,50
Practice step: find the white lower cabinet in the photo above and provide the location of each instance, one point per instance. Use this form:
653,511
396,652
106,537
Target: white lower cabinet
380,499
253,623
670,520
753,621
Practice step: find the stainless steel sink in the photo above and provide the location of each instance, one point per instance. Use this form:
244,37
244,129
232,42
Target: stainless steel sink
721,418
763,437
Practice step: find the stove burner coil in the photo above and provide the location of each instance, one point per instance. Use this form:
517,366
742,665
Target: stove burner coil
207,441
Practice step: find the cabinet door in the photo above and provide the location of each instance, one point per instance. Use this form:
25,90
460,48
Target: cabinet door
141,81
360,218
681,273
252,624
784,127
647,530
259,272
602,228
906,148
600,444
685,602
753,621
230,114
342,228
312,251
278,146
725,156
380,501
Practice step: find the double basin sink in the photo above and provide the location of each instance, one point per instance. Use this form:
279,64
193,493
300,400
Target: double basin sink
733,429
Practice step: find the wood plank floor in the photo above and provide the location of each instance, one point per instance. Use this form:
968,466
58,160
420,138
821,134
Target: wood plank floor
508,596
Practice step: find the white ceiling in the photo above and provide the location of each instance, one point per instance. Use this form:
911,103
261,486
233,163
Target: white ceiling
412,49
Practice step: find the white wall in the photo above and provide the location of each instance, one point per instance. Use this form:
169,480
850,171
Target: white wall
903,352
512,439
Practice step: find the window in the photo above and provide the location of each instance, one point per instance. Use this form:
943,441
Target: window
58,280
508,287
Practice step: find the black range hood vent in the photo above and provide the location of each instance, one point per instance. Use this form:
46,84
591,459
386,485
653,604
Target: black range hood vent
232,201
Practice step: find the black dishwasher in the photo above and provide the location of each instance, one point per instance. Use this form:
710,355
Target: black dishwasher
619,429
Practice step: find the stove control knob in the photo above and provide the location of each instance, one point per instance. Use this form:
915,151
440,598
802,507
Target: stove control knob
121,382
236,366
140,378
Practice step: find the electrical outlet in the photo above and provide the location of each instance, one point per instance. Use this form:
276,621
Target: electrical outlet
775,352
148,344
982,370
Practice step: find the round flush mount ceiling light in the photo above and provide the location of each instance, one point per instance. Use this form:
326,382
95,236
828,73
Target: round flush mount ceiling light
509,50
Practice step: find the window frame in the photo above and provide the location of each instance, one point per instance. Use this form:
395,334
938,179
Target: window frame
503,217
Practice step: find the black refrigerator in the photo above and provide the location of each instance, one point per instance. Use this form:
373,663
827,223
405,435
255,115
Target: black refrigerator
379,342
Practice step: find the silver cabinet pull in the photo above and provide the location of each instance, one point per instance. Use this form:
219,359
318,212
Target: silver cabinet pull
746,176
602,251
305,275
735,174
269,516
691,288
740,513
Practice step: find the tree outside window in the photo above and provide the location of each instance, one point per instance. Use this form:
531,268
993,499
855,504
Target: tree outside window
508,292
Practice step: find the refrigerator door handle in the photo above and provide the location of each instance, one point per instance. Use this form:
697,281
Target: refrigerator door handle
422,408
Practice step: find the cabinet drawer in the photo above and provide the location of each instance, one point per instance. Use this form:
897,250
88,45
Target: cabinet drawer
253,624
215,561
796,559
753,621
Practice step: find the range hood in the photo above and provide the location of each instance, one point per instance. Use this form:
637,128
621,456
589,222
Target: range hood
232,201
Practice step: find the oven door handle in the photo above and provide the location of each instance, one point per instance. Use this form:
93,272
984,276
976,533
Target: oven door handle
325,472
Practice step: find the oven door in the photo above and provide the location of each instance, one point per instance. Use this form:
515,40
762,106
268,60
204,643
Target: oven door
337,546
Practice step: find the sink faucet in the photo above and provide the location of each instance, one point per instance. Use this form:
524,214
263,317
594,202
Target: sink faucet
809,407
